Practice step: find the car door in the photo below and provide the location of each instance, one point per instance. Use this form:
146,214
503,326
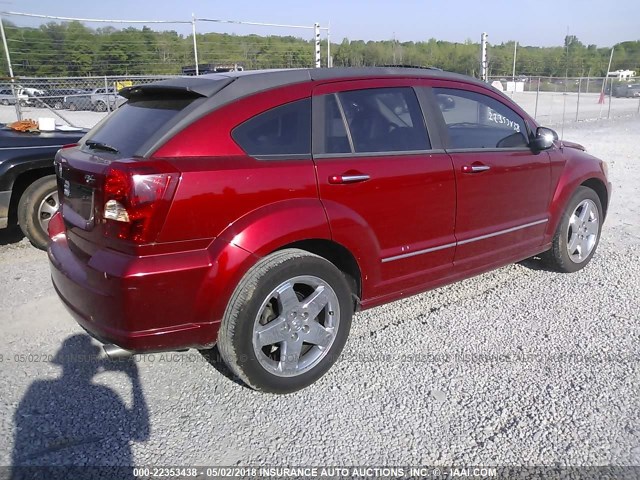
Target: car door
503,187
388,190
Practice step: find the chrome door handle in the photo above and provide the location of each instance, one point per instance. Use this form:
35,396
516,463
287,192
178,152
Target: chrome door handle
342,179
475,168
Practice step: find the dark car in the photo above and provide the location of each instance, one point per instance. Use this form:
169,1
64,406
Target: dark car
260,210
627,90
79,100
55,98
28,190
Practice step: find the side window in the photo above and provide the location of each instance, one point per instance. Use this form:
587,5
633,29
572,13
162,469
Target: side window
283,130
384,120
479,121
336,139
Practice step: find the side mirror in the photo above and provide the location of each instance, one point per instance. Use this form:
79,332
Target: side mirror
544,139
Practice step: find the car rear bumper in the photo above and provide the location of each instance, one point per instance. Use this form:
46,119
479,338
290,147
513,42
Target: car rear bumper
141,304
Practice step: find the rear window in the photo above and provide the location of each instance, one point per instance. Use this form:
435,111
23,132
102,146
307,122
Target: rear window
283,130
131,126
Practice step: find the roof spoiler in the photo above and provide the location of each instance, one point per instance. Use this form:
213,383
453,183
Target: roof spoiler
179,87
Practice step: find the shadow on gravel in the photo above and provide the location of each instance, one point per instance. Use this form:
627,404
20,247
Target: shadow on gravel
71,427
213,357
11,235
536,263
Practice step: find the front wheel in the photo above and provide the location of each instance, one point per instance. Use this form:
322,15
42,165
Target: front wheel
37,205
578,233
287,321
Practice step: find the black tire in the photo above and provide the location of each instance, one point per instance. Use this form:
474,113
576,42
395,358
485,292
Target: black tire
558,257
5,102
101,107
29,210
235,338
57,105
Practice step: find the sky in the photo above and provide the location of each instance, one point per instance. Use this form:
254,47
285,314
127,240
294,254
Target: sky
538,22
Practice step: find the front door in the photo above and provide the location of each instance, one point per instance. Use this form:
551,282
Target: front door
389,195
503,187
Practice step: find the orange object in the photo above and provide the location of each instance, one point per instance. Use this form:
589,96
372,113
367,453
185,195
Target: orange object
26,125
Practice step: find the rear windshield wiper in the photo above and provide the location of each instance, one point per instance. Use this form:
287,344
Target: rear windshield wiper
100,146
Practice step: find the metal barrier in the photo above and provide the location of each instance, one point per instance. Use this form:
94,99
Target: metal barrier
554,101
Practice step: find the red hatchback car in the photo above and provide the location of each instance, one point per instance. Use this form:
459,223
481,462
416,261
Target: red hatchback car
260,210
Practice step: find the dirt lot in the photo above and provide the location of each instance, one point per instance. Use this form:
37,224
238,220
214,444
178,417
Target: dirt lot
519,366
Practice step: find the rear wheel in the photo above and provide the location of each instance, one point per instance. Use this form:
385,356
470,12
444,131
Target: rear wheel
101,107
287,321
38,204
73,107
57,105
5,102
578,233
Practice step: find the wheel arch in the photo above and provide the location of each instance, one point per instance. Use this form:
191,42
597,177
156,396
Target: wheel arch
599,187
20,184
338,255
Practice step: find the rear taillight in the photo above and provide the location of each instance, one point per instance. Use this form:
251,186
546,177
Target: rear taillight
137,197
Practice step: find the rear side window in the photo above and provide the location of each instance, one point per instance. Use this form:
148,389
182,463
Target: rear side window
477,121
134,123
283,130
384,120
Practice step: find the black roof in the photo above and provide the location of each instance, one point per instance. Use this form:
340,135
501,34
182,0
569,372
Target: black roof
242,83
211,91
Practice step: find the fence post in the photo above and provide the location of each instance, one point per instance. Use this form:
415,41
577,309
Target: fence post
195,43
535,113
6,52
316,27
329,63
578,104
106,94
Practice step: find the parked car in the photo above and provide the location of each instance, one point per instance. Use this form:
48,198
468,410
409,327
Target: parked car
81,100
7,97
260,210
627,90
103,99
55,98
28,190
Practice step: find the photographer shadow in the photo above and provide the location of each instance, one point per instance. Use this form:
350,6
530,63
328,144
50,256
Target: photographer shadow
74,423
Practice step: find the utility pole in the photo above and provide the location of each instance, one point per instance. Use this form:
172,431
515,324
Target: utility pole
483,59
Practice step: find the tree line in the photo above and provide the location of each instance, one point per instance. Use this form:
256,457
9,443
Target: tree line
73,49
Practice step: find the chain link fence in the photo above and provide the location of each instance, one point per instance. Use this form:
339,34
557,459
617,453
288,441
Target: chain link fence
84,101
554,101
76,102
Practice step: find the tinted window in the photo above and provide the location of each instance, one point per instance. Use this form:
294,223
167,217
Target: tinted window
384,120
284,130
478,121
131,125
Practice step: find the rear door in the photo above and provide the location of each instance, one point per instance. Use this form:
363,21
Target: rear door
388,189
503,187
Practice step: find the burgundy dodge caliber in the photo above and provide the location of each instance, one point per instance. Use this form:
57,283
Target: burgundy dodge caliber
259,210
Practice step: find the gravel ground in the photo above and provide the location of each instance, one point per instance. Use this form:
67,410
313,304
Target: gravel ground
519,366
